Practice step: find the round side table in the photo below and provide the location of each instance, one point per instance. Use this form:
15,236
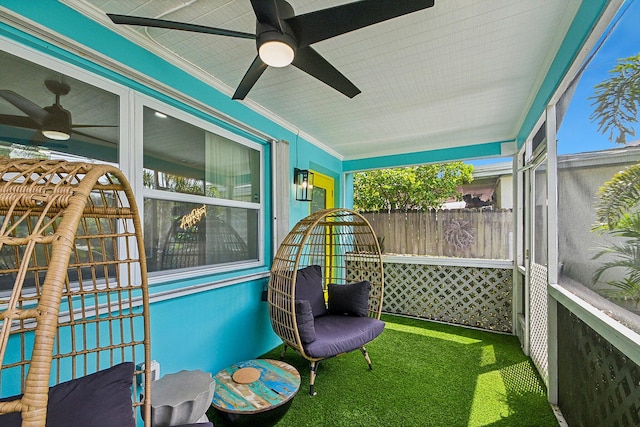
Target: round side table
255,392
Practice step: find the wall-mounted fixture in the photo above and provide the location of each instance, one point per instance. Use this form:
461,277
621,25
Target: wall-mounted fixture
303,179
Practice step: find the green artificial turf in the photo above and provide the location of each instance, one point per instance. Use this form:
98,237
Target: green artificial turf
424,374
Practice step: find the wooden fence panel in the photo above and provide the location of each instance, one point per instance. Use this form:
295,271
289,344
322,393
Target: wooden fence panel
463,233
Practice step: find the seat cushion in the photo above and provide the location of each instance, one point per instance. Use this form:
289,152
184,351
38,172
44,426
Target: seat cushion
309,287
350,299
337,334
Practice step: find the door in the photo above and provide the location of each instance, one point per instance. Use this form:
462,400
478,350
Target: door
532,273
322,192
538,270
322,198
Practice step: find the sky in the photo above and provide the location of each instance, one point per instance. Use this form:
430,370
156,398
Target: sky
577,132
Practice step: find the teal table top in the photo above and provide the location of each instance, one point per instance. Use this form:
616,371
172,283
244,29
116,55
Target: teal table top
277,384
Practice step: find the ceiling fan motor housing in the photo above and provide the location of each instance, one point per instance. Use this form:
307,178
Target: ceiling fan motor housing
58,120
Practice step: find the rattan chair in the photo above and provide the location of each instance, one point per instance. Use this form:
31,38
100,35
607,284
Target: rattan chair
73,283
341,247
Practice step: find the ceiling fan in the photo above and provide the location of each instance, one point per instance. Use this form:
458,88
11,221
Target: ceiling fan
52,122
284,38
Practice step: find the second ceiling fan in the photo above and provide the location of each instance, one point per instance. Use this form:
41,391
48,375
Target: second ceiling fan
283,38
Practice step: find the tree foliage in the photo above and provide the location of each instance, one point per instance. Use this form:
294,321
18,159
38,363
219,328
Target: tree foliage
617,99
623,255
617,198
411,188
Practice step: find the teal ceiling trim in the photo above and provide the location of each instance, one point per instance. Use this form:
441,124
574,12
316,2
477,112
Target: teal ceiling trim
491,149
580,29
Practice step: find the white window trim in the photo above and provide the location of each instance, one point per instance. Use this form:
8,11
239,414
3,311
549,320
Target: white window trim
140,102
130,155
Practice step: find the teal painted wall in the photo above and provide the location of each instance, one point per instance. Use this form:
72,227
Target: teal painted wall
211,330
305,155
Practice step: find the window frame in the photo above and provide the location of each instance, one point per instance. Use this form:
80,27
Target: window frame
141,101
130,153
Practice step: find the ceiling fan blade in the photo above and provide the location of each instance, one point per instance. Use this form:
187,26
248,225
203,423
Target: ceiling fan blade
272,11
38,139
250,78
323,24
266,11
310,61
93,126
31,109
173,25
97,138
18,121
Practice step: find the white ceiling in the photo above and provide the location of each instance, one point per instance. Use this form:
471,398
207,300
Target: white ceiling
460,73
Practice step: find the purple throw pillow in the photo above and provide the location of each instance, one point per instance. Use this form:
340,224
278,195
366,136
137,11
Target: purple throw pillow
309,287
305,322
101,399
351,299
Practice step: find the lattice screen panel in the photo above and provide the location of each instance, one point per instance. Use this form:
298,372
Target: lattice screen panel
472,296
538,347
597,384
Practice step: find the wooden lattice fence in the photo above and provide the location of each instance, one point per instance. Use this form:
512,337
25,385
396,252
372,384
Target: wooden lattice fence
465,233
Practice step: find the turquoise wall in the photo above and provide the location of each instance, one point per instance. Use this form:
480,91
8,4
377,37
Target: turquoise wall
210,330
305,155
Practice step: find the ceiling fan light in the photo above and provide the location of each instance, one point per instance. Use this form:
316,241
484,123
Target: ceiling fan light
276,53
56,134
57,124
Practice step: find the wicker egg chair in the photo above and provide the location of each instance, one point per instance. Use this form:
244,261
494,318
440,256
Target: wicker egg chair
73,296
326,287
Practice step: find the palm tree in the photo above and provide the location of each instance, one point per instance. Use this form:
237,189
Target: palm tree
616,110
626,254
617,100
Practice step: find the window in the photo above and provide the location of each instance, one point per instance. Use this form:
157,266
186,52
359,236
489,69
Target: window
31,90
202,199
199,186
597,178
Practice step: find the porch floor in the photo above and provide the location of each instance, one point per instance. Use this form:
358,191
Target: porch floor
424,374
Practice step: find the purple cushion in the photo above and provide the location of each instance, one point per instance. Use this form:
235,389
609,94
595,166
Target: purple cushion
101,399
305,322
309,287
351,299
337,334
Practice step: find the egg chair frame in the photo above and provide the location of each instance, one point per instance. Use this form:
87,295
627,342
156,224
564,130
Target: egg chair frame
344,246
73,289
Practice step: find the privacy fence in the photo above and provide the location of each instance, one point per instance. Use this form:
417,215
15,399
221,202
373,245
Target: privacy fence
463,233
453,266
